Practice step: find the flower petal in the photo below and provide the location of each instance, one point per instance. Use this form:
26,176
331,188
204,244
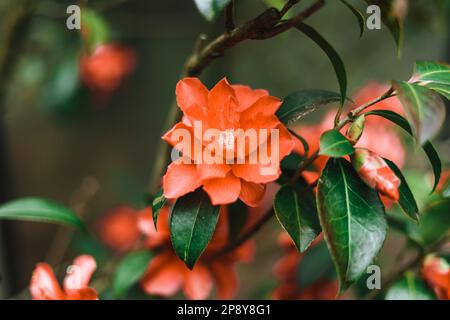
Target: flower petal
255,172
181,137
83,294
179,180
80,272
43,285
223,110
165,275
198,283
223,190
210,171
265,106
192,98
247,96
251,193
226,279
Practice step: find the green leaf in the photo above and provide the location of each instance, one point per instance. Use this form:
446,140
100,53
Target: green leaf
352,218
192,225
130,270
410,287
157,204
435,222
40,210
334,57
95,29
428,147
237,219
210,9
316,264
296,211
359,16
407,201
391,19
301,103
424,109
434,76
436,163
334,144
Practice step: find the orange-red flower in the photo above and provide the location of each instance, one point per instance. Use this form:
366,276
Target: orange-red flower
119,228
104,70
436,272
44,285
226,109
376,173
286,272
167,274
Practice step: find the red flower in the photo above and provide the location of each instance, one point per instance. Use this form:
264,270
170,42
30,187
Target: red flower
436,272
286,272
226,109
376,173
44,286
104,70
167,274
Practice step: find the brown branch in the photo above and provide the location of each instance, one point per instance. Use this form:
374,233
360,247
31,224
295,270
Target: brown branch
229,19
267,25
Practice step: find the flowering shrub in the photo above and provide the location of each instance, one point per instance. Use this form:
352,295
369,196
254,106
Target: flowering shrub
232,158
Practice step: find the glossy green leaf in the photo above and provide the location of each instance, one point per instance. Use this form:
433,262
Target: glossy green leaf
359,16
334,144
192,225
316,265
210,9
130,270
301,103
237,219
410,287
352,218
434,76
424,108
157,204
435,221
392,19
40,210
407,201
296,211
334,57
436,163
428,147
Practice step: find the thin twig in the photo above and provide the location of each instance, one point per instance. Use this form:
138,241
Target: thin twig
288,6
229,19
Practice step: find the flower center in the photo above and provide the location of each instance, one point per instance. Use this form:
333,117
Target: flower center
226,139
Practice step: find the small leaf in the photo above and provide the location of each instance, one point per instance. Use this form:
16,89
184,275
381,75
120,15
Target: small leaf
334,144
334,57
94,28
393,19
410,287
436,163
431,153
210,9
237,218
192,225
352,218
296,211
407,201
157,204
130,270
434,76
40,210
359,16
424,109
301,103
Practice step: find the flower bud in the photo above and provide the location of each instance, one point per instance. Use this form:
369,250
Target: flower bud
376,173
356,130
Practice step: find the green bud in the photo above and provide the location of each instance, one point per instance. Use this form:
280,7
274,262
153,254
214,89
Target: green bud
356,129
